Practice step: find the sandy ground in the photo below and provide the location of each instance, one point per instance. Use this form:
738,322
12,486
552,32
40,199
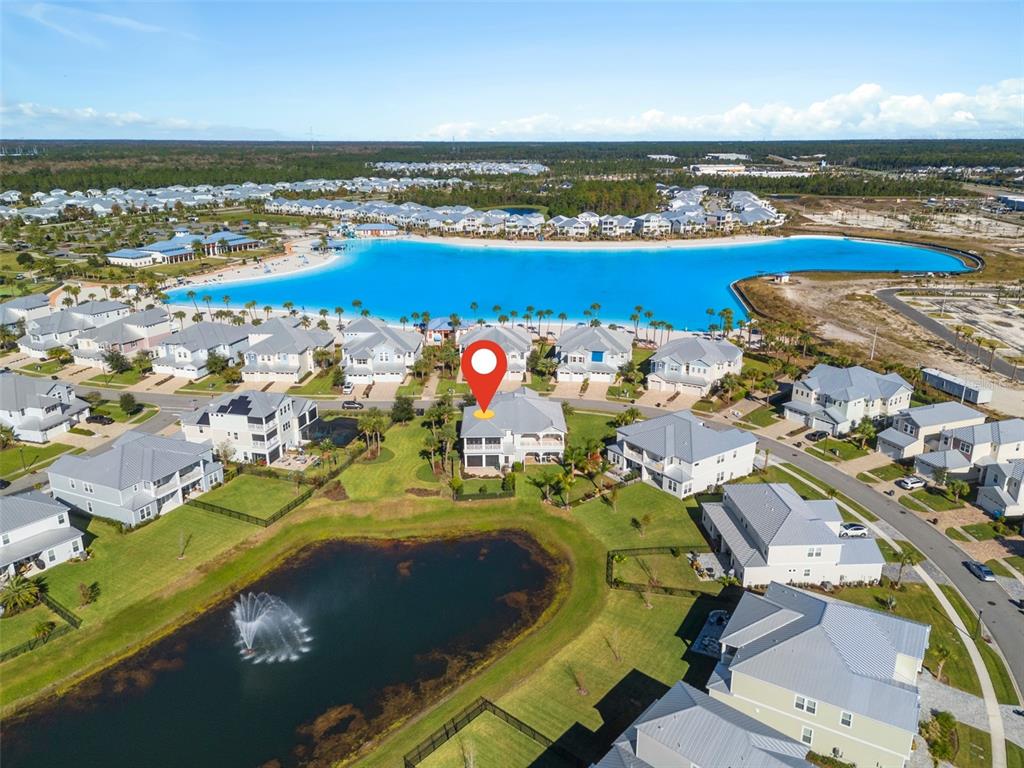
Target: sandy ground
593,245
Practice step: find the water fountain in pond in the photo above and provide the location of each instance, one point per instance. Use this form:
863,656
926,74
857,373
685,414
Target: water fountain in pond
268,630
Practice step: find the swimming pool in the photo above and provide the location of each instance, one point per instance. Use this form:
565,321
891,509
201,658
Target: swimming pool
395,278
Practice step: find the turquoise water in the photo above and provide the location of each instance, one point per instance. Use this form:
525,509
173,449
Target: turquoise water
396,278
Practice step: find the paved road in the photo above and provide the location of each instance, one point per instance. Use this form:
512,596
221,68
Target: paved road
888,296
1004,621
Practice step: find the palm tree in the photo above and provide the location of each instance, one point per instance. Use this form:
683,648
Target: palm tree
43,629
941,654
865,431
19,593
562,317
227,301
339,311
907,557
403,320
473,307
6,436
208,301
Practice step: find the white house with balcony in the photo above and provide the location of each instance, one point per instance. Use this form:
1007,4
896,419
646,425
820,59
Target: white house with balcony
374,351
23,309
60,329
965,451
837,399
256,427
768,533
184,354
129,335
514,341
681,455
592,352
139,477
525,428
693,364
916,430
37,409
281,350
35,534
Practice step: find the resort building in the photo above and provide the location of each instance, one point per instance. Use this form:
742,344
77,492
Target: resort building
35,534
836,399
963,452
374,351
138,478
916,430
182,247
36,408
525,428
836,677
382,229
281,350
514,341
968,391
686,728
768,533
137,332
60,329
184,353
24,309
595,353
255,427
999,490
693,364
680,455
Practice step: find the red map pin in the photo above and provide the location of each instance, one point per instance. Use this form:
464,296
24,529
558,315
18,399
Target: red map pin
483,367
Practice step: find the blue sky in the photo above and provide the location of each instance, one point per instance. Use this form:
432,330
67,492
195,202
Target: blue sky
497,70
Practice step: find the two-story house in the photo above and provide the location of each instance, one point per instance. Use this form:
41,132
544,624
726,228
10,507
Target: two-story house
836,677
60,329
525,428
139,477
837,399
36,408
137,332
514,341
916,430
255,426
693,364
184,353
686,728
768,533
680,455
24,309
281,350
35,534
999,489
589,352
374,351
965,451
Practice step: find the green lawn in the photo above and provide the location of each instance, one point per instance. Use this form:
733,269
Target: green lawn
910,504
831,449
956,535
115,380
890,472
866,477
891,555
253,495
20,628
48,368
315,386
412,388
665,571
975,747
1014,755
936,500
623,391
981,531
209,383
1017,562
447,385
528,488
540,384
489,741
761,417
999,569
916,602
641,355
113,409
23,458
673,522
585,427
365,481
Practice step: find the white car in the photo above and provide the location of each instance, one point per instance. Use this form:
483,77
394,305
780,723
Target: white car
853,530
348,388
910,483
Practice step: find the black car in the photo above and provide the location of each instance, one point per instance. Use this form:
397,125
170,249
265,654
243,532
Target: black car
4,483
816,436
352,405
99,418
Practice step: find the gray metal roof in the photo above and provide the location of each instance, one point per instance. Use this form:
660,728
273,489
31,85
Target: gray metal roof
366,334
11,311
206,335
829,650
36,545
853,383
694,349
519,412
510,339
124,329
599,338
996,432
937,414
26,508
777,515
287,338
252,403
702,731
682,435
18,392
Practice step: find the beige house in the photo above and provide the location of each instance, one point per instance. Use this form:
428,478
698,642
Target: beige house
916,430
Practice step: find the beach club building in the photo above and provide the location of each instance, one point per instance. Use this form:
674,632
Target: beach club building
181,247
376,229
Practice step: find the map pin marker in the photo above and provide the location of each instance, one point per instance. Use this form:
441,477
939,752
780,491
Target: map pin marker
483,367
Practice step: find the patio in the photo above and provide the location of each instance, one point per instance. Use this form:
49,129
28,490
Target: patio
708,641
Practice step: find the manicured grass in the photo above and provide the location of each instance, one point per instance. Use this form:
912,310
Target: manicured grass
1017,562
253,495
586,427
20,628
315,386
368,480
456,388
916,602
528,487
997,672
673,522
889,472
831,449
623,391
115,380
412,388
892,556
910,504
956,535
981,531
762,417
48,368
999,569
1014,755
540,384
147,414
975,747
23,458
704,406
936,500
113,409
641,355
663,570
866,477
209,383
489,741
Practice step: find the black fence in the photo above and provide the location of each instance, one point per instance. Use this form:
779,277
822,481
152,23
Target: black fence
485,495
60,610
675,551
72,623
452,727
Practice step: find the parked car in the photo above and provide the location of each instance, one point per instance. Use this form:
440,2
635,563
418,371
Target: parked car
348,388
352,405
911,483
817,435
99,418
980,570
855,530
4,483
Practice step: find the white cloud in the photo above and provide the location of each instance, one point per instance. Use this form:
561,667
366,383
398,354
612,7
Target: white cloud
866,111
70,21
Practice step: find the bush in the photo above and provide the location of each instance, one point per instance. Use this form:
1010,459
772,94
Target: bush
129,404
508,482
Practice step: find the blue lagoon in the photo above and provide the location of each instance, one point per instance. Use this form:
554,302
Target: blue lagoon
395,278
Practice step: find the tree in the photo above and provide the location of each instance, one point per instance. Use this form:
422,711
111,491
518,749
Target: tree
907,557
941,653
19,593
6,436
402,411
865,431
42,630
115,361
957,489
129,404
629,416
142,362
939,477
216,363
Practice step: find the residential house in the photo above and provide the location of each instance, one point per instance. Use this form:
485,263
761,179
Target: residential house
184,354
616,226
257,426
134,333
693,364
999,490
281,350
965,451
917,429
838,678
686,728
514,341
681,455
60,329
35,534
768,533
837,399
525,428
24,309
36,408
595,353
382,229
139,477
374,351
652,225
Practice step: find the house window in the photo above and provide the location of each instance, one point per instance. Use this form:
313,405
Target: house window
51,556
75,546
807,736
810,706
87,487
88,506
807,572
5,539
60,519
814,551
846,718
